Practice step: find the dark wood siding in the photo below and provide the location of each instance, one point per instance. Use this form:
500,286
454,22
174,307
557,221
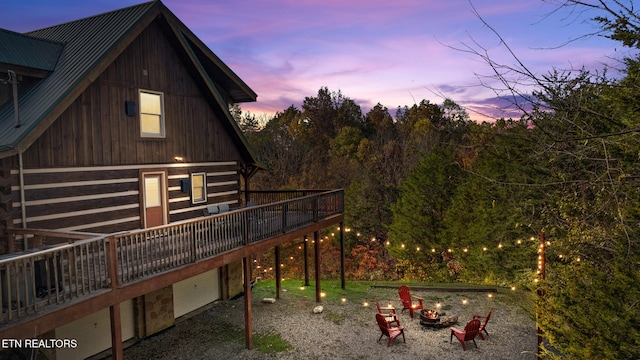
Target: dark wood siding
106,199
95,131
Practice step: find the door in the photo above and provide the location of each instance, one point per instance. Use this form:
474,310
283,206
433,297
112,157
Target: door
154,207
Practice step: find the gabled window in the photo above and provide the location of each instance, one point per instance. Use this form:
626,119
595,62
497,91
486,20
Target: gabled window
151,114
198,188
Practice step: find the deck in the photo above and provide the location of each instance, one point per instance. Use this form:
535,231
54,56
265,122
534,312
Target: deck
71,280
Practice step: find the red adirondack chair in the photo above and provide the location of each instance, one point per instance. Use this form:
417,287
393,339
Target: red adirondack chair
389,313
483,326
390,331
468,334
407,303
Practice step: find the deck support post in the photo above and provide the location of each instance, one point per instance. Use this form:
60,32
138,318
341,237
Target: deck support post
278,275
248,330
116,332
316,249
343,284
114,310
305,248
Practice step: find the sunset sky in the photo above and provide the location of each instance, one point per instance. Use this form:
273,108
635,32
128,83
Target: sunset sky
391,52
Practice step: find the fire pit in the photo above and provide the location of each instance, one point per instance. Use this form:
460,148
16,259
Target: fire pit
430,316
434,320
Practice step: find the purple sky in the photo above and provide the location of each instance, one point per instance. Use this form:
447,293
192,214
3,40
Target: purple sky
391,52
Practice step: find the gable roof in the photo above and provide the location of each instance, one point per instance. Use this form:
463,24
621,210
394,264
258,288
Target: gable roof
89,45
28,52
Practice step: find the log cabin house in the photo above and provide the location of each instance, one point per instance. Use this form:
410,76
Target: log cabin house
124,184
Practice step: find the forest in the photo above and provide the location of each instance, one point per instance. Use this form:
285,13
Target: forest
433,196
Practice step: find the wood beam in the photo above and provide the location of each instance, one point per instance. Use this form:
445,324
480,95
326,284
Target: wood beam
116,332
343,284
276,251
316,249
248,320
305,246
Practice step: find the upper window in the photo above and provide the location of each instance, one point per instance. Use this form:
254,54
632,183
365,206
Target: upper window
198,187
151,114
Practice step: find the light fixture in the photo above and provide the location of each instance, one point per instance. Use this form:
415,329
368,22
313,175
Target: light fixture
178,159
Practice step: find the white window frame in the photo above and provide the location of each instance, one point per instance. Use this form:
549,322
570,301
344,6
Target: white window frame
202,199
160,134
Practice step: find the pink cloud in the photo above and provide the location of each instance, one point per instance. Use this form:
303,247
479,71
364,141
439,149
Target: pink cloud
393,52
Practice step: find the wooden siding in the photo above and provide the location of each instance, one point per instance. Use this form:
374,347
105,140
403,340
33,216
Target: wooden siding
95,130
106,199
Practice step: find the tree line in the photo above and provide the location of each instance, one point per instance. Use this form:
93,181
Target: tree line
432,196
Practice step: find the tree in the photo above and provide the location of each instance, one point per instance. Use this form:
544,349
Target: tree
585,126
281,146
417,215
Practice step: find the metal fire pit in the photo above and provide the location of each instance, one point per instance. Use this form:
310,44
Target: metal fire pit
433,320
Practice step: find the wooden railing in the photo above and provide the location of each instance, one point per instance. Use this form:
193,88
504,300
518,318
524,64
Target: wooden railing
34,279
272,196
38,278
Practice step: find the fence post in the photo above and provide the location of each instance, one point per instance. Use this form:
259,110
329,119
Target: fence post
285,208
113,262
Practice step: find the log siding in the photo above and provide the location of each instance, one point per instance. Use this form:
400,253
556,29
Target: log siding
107,199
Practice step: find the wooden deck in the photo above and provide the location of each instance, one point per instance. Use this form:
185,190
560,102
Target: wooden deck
103,270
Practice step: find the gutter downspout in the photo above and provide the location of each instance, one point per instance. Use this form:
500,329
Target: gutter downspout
23,206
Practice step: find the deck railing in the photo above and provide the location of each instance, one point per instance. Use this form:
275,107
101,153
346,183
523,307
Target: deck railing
38,278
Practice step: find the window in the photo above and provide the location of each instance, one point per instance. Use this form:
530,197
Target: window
151,114
198,188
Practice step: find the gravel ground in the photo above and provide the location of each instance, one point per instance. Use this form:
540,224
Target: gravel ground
342,331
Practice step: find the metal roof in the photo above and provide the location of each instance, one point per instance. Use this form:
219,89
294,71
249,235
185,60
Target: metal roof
89,45
27,51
